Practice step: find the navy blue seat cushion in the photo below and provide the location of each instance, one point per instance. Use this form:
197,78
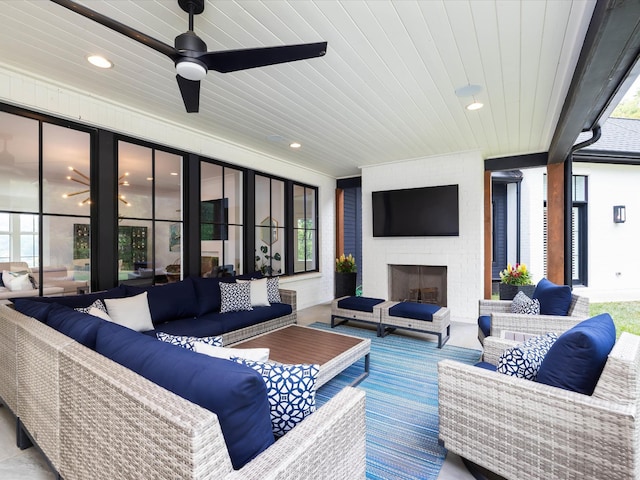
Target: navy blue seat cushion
417,311
235,393
484,322
361,304
208,293
576,359
30,308
554,299
486,366
170,301
82,327
231,321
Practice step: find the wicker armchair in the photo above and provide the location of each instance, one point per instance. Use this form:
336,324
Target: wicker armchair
521,429
502,319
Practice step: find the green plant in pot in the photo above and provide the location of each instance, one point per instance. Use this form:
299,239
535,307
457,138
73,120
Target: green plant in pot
345,276
264,263
513,279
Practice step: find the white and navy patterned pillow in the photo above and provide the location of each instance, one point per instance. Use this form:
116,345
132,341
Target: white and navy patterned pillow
524,359
523,304
97,309
188,342
273,290
236,297
291,390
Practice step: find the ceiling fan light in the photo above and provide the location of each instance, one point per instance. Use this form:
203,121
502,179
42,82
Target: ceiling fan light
475,106
191,69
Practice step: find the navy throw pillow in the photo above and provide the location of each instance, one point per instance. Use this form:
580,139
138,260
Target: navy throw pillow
171,301
577,358
554,299
235,393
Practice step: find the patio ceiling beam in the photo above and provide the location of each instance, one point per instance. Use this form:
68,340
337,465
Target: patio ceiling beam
603,73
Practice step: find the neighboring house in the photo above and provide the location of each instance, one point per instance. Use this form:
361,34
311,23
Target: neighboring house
604,253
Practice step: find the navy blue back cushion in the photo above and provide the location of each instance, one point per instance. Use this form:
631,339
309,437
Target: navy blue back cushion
484,322
208,293
37,310
235,393
170,301
576,359
82,327
554,299
250,276
83,301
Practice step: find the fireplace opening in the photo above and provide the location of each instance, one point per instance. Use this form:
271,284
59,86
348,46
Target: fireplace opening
418,283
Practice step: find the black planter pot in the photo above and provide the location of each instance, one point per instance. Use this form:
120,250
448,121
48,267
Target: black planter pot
345,284
507,292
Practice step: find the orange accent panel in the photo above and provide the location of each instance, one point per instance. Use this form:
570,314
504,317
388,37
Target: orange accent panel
555,223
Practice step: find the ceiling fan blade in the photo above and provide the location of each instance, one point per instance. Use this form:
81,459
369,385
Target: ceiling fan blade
234,60
190,92
132,33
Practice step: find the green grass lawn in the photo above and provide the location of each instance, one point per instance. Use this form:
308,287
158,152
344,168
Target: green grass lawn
626,315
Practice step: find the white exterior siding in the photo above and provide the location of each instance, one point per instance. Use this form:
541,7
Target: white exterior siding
463,255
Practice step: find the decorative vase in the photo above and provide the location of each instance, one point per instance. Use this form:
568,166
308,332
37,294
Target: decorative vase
345,284
507,292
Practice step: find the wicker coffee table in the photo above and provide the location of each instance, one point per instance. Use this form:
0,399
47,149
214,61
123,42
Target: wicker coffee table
334,352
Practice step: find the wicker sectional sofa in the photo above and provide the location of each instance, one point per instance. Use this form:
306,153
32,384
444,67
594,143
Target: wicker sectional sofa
95,418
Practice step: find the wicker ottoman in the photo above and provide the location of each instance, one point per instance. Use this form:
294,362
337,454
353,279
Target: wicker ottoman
356,308
421,317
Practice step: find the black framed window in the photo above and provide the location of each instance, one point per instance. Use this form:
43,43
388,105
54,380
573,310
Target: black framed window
305,228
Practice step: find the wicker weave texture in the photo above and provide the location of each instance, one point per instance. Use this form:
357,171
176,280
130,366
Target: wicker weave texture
38,387
502,319
522,429
440,324
370,317
8,358
328,445
287,296
116,424
336,365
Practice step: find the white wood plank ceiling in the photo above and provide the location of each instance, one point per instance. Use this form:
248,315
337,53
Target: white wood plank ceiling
385,91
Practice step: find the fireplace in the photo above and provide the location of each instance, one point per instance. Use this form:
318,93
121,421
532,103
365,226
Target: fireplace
418,283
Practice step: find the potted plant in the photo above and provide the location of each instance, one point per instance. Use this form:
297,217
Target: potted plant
345,276
514,279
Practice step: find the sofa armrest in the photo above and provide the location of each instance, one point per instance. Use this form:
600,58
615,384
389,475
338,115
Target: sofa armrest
487,307
536,324
289,297
522,429
493,348
328,444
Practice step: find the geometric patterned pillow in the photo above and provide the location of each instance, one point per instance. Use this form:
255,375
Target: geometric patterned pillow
524,359
291,390
236,297
523,304
188,342
273,290
97,309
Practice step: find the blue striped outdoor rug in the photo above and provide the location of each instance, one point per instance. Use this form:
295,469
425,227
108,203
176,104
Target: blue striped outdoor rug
402,402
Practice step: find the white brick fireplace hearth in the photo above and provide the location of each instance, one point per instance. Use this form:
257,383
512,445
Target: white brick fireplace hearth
462,255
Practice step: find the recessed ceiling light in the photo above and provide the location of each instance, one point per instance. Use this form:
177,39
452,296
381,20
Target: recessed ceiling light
295,145
175,174
475,106
99,61
149,178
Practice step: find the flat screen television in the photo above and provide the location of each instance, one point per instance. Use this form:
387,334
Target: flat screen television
416,212
214,218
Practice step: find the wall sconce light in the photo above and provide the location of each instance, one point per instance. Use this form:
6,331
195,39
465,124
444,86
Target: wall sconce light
619,214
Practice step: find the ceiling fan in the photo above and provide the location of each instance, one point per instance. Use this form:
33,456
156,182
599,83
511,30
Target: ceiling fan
190,54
